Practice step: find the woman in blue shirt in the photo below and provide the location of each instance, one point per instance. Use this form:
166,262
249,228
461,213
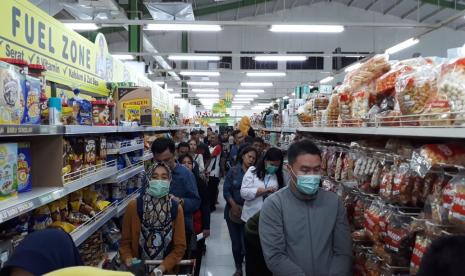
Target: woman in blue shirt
234,202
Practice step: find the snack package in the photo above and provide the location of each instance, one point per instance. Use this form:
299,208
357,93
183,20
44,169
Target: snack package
11,95
457,207
385,187
422,243
368,71
41,218
402,185
451,85
132,113
348,167
102,113
101,150
94,200
360,105
375,220
345,105
339,163
58,221
31,94
333,111
376,177
430,155
118,191
414,89
24,167
440,110
399,241
8,170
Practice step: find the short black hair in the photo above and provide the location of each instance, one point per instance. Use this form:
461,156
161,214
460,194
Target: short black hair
210,129
194,132
235,132
182,156
444,257
162,144
258,140
183,145
304,146
201,131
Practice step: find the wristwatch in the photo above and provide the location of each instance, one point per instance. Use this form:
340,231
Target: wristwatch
157,272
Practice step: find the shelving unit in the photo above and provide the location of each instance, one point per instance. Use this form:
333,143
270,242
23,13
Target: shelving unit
84,231
124,174
30,130
148,155
126,149
123,204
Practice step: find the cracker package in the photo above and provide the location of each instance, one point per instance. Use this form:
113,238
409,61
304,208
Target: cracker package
10,95
8,170
24,167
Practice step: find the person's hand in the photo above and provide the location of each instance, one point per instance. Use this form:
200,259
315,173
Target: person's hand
206,233
271,190
175,198
157,272
128,262
236,210
261,191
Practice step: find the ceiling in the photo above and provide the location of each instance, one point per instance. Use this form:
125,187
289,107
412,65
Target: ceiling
421,11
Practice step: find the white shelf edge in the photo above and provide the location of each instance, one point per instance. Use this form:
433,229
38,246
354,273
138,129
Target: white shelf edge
123,174
41,196
391,131
124,203
84,232
147,156
124,150
78,129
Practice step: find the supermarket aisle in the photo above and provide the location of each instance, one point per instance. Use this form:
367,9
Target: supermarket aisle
218,261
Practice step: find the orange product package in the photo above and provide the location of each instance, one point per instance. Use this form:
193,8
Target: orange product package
368,71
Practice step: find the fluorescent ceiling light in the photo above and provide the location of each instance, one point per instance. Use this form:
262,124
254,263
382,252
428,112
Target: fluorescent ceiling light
263,104
207,95
170,89
176,95
353,67
285,97
278,100
203,83
327,79
256,84
279,58
159,82
246,96
194,58
258,107
237,106
211,90
241,102
250,91
403,45
183,27
266,74
82,26
124,57
243,99
206,74
306,28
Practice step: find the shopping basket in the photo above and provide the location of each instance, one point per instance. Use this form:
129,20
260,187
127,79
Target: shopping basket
149,265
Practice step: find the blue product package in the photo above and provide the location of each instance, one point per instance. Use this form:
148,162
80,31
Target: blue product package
85,112
31,95
24,168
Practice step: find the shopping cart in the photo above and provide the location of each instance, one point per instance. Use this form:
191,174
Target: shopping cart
147,266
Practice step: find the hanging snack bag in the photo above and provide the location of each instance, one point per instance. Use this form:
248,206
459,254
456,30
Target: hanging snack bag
385,187
333,110
41,218
402,185
457,208
368,71
399,241
430,155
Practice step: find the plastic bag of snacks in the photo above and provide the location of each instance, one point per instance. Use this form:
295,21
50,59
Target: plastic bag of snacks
402,185
374,216
325,154
360,106
399,241
339,163
430,155
385,85
414,89
457,207
333,111
368,71
348,166
422,243
385,187
440,114
451,85
345,104
376,177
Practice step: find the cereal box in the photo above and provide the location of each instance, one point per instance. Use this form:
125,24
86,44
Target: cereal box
24,168
8,169
11,95
31,94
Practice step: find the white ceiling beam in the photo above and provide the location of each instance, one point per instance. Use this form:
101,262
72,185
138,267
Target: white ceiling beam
350,3
417,7
371,5
386,11
431,14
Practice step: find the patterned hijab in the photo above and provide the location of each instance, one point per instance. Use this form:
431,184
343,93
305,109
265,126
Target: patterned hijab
156,224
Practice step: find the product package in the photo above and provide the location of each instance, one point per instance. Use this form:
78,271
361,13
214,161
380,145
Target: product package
8,170
102,113
24,167
430,155
451,86
11,95
31,95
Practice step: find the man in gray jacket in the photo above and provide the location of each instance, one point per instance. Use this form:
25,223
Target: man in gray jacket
303,229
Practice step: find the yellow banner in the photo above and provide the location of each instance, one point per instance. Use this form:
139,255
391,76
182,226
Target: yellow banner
29,33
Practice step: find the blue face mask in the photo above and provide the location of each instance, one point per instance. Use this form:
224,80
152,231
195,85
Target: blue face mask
158,188
271,169
308,184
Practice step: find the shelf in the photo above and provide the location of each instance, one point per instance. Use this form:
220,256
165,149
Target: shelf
84,231
29,130
123,204
131,129
127,149
77,129
40,196
390,131
155,129
109,256
124,174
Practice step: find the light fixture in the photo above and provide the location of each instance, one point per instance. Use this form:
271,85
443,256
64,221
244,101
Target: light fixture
194,58
263,104
203,83
403,45
241,102
208,90
246,96
353,67
184,27
170,89
286,98
199,73
250,91
258,107
266,74
278,100
159,82
256,84
124,57
207,95
279,58
281,28
243,99
82,26
176,95
327,79
237,106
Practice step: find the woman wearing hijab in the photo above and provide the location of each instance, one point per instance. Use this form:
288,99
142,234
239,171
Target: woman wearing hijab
153,225
261,181
234,203
41,252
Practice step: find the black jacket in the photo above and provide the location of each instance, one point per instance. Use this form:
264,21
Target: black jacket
254,262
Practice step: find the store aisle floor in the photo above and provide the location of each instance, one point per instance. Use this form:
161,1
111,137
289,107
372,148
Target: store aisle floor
218,261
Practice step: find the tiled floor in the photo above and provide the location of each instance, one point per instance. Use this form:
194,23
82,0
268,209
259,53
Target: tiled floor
218,261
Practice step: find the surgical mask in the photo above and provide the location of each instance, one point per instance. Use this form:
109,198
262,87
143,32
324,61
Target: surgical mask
158,188
270,169
308,183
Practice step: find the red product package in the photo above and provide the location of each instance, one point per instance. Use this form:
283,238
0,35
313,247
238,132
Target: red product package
402,185
457,208
430,155
385,187
421,245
